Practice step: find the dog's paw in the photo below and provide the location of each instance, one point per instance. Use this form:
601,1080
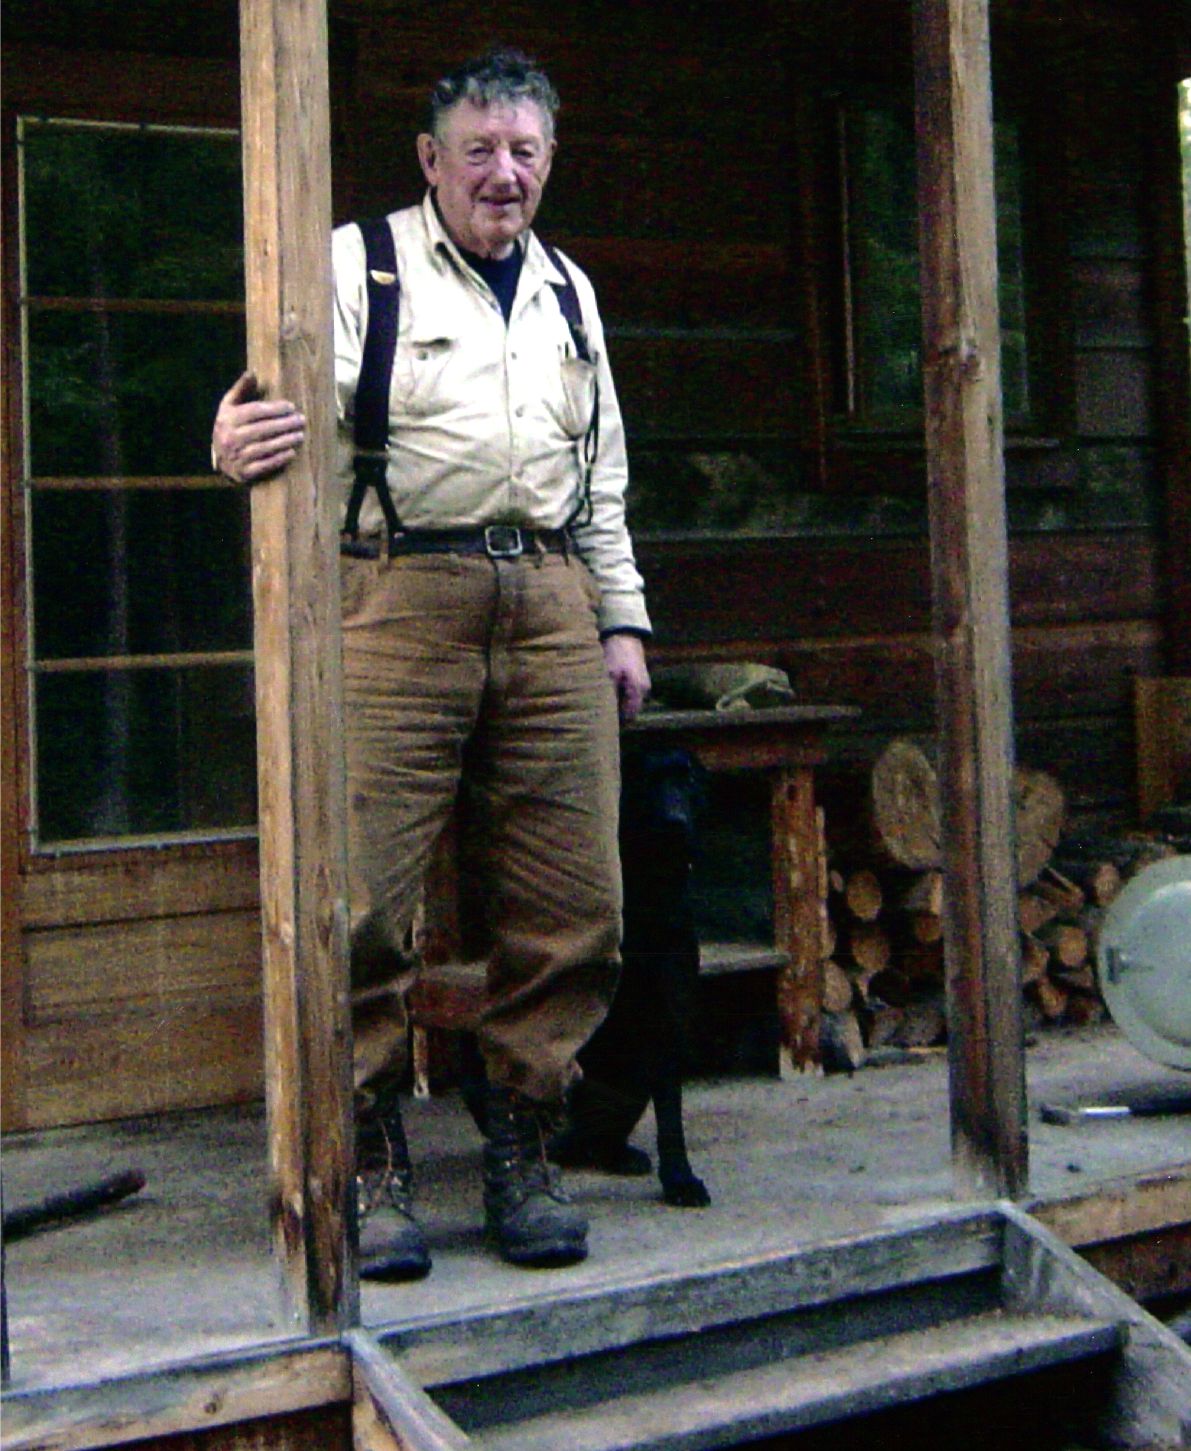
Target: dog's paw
686,1192
572,1151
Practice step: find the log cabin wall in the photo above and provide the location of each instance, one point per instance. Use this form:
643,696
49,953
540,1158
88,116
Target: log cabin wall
712,178
779,516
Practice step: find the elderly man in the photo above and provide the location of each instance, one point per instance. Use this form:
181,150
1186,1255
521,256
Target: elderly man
493,620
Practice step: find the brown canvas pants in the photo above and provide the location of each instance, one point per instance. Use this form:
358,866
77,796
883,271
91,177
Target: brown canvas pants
443,652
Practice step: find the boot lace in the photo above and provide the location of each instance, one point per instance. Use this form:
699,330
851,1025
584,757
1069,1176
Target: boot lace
384,1183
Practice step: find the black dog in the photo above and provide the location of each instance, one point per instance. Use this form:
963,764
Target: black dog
643,1048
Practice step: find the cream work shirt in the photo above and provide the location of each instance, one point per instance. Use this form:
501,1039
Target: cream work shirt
487,420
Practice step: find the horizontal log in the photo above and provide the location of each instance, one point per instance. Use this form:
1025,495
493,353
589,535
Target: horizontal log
923,1023
1129,853
203,92
924,895
1059,671
1034,959
1092,756
923,961
1080,979
1084,1009
674,385
926,927
796,589
862,895
701,282
1066,943
841,1041
1057,889
1034,910
866,945
837,988
1099,881
1050,997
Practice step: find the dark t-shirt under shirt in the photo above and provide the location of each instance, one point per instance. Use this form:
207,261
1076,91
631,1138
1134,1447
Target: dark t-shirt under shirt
500,273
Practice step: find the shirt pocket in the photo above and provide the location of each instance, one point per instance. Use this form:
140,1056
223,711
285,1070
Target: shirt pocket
421,373
578,395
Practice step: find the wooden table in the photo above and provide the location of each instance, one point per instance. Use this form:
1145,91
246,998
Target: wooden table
785,743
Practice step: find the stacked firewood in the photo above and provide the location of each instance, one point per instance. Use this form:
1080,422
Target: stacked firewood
884,974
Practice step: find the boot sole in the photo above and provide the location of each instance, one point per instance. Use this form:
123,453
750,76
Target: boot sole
554,1255
379,1267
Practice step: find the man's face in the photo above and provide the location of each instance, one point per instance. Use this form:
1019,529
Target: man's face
489,168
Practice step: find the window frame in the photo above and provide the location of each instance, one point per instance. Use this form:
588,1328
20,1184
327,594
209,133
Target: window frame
851,409
864,449
27,668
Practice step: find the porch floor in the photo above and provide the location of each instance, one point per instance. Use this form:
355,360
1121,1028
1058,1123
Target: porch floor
183,1269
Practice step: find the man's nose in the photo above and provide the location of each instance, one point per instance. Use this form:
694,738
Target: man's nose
501,165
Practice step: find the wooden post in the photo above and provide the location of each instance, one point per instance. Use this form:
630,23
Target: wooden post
969,563
797,929
295,559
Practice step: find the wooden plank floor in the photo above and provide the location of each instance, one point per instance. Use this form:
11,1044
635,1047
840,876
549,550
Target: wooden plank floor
183,1269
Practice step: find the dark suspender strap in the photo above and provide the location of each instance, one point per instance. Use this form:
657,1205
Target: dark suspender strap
568,305
370,429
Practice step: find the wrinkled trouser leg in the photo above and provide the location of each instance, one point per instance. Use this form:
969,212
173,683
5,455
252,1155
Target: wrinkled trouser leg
441,651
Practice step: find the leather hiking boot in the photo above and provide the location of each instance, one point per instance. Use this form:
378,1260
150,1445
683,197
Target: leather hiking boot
392,1243
528,1214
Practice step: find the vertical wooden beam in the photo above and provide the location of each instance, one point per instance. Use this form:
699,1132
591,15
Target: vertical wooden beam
295,567
969,563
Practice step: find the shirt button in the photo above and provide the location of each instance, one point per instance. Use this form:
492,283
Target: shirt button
519,411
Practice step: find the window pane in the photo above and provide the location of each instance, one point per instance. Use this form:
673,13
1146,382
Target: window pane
888,318
138,571
115,394
132,752
888,312
132,212
1011,287
137,231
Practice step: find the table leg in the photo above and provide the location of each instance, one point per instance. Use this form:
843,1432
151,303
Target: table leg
797,915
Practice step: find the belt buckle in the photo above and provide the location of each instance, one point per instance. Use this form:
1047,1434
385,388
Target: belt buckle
503,541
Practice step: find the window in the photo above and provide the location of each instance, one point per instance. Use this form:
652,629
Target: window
138,607
881,377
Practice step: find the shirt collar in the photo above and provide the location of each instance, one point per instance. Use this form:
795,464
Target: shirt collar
535,264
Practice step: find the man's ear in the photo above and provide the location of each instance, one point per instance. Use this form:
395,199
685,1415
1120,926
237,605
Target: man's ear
428,157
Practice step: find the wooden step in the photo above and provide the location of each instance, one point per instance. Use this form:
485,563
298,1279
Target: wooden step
809,1390
860,1280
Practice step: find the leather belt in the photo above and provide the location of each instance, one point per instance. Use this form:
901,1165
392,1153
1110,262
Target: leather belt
497,541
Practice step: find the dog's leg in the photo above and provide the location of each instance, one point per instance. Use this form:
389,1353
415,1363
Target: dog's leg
600,1119
681,1186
